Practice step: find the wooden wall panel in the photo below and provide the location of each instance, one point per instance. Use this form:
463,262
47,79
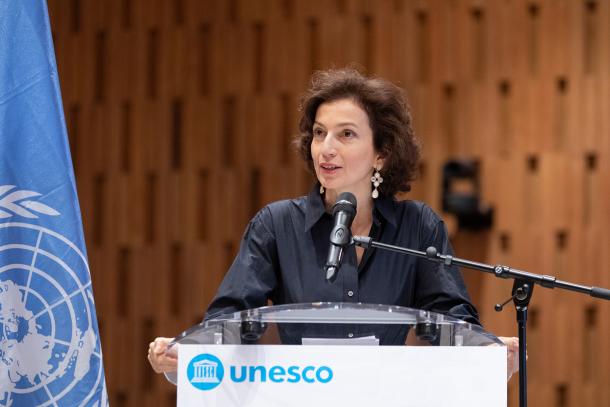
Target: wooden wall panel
181,114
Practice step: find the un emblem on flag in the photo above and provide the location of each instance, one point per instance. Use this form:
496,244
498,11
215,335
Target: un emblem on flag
48,333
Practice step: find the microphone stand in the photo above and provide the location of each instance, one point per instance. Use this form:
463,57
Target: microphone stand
523,289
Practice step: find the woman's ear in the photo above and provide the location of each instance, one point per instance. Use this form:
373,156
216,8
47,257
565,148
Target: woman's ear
380,159
379,162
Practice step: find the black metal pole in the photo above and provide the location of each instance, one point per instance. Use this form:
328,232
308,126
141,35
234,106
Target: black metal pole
521,296
499,271
522,322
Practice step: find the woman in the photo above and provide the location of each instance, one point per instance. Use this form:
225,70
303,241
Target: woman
356,136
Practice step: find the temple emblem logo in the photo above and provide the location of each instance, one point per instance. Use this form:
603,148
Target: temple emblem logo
205,371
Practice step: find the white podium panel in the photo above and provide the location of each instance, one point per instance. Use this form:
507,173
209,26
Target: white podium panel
284,375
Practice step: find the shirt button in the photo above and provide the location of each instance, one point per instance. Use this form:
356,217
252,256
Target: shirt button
350,293
350,335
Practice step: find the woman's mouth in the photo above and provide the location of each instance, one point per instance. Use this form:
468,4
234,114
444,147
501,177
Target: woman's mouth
328,168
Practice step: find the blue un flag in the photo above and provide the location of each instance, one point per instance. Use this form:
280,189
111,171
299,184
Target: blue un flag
50,353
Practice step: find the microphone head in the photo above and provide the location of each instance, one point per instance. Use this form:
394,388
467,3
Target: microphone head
345,202
331,274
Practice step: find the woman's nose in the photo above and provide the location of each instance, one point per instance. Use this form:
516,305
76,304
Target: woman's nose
329,148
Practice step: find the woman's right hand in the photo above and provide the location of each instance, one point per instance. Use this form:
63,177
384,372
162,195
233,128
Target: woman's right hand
161,360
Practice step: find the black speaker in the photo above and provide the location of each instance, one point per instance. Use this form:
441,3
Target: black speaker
461,195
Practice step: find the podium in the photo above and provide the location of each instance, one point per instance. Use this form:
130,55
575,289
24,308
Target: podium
326,354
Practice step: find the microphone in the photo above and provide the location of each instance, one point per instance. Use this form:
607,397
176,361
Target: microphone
344,211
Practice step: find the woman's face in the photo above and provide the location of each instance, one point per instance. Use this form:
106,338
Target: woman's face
342,148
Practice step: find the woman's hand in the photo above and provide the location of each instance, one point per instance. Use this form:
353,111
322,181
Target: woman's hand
161,360
512,354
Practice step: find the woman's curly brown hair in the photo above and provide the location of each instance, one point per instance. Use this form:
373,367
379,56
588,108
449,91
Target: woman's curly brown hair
389,118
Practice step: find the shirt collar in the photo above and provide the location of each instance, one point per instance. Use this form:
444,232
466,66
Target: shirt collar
315,207
384,205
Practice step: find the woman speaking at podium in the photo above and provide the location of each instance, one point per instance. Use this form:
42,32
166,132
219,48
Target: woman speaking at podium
356,135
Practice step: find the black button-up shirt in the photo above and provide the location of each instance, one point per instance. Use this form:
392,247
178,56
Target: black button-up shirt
285,246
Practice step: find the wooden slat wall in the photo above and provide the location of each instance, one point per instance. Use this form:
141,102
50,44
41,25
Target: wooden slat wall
181,112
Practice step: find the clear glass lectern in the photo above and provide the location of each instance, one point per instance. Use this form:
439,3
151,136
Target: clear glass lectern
330,324
336,323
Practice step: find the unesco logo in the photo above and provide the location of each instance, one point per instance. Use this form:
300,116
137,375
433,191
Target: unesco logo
205,371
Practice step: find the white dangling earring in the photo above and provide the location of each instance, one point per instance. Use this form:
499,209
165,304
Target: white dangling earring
321,189
376,180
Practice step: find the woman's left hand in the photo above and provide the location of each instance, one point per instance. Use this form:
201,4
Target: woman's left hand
512,355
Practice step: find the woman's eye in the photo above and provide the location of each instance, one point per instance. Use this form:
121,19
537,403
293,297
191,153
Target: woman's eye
348,133
318,132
